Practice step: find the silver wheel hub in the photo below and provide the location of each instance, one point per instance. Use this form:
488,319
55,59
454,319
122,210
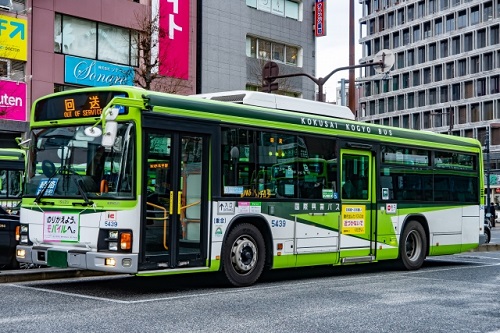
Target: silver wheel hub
244,254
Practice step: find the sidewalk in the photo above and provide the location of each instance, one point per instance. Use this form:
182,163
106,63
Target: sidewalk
494,244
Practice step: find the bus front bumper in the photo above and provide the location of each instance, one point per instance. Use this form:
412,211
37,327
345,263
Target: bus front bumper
78,258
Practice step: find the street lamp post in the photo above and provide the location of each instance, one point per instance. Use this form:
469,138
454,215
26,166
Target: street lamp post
384,59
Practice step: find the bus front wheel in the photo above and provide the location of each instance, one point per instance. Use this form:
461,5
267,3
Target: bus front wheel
243,254
413,245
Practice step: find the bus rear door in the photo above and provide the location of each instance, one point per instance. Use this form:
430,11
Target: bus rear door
357,219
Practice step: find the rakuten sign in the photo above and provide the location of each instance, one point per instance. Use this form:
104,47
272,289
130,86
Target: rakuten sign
12,100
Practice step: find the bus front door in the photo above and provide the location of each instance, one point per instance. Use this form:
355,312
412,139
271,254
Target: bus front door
357,224
175,170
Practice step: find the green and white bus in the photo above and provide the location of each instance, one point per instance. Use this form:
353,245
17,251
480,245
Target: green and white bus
11,178
147,183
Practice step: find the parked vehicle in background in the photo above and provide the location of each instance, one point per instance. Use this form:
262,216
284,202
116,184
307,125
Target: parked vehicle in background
9,233
11,178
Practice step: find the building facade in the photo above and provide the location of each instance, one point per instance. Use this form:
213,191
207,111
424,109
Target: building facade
208,46
446,76
239,37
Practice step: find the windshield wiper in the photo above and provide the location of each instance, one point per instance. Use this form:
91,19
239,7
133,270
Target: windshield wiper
45,187
88,202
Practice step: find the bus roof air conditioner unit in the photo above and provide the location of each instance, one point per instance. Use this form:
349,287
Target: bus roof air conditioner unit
6,5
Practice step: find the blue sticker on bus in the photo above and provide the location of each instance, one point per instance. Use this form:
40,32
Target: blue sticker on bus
51,188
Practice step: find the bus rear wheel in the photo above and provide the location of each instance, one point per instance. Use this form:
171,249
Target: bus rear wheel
413,245
243,255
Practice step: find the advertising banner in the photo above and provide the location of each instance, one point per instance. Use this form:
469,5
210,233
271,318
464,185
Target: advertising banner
13,38
96,73
320,18
13,100
173,48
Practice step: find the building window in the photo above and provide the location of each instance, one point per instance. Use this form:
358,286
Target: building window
395,40
481,87
401,16
416,33
416,120
474,65
427,75
406,80
474,15
450,70
421,9
450,23
438,73
93,40
468,89
462,67
444,48
438,26
494,35
481,38
286,8
443,94
432,96
455,92
395,83
488,61
432,51
421,98
468,42
411,100
266,50
411,57
416,78
455,45
495,84
406,36
401,102
462,19
421,55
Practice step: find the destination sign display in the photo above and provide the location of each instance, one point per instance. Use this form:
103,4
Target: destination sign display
78,105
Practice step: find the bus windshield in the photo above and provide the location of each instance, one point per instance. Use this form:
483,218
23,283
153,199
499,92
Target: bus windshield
65,162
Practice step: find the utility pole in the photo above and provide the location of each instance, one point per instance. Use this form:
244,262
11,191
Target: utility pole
488,167
352,92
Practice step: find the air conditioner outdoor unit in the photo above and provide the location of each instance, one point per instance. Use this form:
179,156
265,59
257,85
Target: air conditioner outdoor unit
6,5
4,68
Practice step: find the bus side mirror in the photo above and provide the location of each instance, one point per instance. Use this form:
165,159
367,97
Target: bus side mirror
109,135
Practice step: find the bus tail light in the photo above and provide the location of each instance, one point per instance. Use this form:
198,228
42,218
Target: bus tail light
18,233
125,240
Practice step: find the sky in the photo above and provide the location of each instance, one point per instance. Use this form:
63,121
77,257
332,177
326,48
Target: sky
332,51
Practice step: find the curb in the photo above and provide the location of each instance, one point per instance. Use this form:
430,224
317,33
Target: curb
491,247
46,274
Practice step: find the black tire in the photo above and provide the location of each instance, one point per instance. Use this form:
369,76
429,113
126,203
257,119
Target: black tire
487,236
243,255
413,246
14,264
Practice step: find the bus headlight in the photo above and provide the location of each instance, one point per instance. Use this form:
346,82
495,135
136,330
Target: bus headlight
113,246
21,253
22,234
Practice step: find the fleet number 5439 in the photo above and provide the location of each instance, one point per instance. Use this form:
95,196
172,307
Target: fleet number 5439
278,223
